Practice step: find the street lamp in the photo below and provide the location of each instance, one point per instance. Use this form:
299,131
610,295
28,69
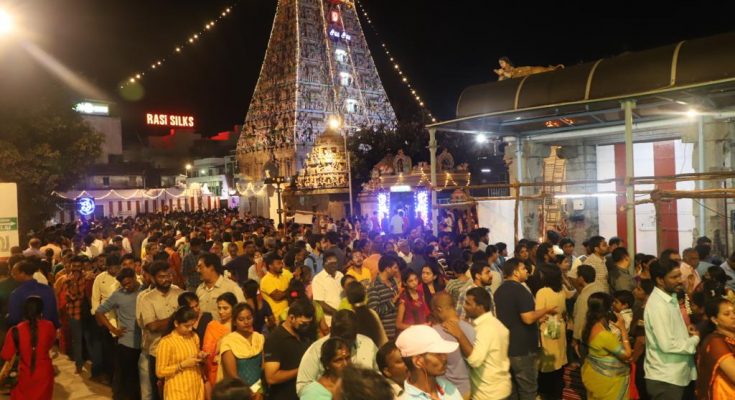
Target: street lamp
335,123
6,23
188,168
272,177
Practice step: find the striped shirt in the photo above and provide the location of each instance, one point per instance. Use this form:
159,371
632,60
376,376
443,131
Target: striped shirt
181,383
380,299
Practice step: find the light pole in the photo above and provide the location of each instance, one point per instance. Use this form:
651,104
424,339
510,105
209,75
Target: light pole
272,177
335,123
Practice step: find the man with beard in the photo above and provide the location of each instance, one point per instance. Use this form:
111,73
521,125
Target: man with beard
597,260
284,348
670,344
482,276
157,306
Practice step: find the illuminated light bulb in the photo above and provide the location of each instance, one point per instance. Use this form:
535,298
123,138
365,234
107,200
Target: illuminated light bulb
396,66
137,76
153,66
196,36
405,79
433,120
227,10
191,40
132,80
159,63
421,104
178,49
224,13
391,58
692,113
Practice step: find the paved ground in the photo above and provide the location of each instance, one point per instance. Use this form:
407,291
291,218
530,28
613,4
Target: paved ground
69,386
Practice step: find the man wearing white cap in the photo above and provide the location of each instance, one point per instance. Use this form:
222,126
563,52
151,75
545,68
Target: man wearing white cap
425,354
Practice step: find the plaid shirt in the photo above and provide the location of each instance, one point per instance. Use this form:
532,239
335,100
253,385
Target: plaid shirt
75,294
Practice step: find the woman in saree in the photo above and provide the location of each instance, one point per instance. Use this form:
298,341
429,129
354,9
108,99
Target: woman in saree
716,359
605,373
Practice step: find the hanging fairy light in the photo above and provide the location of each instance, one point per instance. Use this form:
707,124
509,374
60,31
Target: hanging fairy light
383,204
190,41
396,66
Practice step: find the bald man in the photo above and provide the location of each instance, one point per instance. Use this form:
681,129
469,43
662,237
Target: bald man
444,310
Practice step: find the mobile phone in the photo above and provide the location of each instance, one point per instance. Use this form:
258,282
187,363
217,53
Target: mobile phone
612,317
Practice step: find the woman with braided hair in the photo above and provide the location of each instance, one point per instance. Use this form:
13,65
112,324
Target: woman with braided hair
32,340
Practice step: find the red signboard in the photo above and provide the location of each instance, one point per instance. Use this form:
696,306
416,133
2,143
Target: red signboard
177,121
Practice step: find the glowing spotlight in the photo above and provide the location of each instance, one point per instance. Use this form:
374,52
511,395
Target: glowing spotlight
334,123
6,23
481,139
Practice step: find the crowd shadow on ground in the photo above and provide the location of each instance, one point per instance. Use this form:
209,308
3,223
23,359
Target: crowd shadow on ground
69,386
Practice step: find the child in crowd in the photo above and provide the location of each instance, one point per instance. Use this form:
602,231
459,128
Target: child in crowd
623,304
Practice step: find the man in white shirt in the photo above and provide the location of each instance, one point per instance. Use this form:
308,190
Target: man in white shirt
326,287
488,354
34,249
98,243
404,251
396,223
105,284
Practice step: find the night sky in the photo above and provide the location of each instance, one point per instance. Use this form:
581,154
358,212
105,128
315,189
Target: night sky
443,46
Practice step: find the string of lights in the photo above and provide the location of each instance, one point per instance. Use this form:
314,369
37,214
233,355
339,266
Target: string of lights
178,48
396,66
137,193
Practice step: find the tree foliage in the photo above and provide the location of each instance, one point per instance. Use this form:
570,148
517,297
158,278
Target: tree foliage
44,146
368,147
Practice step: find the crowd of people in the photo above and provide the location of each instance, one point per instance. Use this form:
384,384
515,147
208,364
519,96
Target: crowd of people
214,305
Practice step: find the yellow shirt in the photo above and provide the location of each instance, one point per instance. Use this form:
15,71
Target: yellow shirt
184,384
270,283
364,276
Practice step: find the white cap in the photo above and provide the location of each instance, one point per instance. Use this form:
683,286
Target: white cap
422,339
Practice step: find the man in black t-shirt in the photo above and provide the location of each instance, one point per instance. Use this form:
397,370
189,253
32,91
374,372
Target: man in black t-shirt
284,348
516,309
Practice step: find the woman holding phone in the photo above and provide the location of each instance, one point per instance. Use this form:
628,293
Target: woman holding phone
179,360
